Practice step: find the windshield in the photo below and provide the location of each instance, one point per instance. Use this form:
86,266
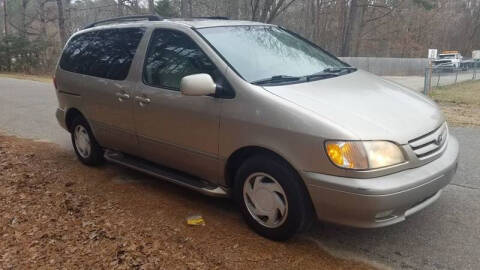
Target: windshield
261,52
447,56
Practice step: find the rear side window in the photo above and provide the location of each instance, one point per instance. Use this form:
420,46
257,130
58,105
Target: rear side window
104,53
173,55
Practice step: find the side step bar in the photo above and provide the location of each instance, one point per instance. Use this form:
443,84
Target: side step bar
166,174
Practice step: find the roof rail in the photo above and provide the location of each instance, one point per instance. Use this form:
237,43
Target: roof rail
127,18
213,18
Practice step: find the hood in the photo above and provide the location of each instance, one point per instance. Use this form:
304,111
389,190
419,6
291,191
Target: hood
369,106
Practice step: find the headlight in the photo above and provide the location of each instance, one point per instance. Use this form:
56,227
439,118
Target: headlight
358,155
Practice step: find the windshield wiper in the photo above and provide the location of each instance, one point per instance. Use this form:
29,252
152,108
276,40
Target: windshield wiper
326,73
339,69
321,75
277,79
330,72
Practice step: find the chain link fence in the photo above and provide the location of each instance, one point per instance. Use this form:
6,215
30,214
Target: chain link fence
384,66
442,76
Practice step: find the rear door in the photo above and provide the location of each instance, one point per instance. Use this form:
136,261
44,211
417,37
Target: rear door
99,62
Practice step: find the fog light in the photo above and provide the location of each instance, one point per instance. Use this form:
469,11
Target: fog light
384,215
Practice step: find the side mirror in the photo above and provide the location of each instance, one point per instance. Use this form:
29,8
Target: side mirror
197,85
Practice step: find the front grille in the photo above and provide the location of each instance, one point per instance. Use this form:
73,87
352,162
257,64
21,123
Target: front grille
429,143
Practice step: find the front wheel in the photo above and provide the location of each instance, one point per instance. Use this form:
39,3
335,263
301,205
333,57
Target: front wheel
272,198
86,147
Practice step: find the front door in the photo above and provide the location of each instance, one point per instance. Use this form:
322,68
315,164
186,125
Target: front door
177,131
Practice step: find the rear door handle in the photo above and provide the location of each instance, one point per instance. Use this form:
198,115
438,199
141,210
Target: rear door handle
142,101
122,96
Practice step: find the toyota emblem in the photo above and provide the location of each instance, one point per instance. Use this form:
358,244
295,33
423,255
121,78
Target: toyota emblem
439,139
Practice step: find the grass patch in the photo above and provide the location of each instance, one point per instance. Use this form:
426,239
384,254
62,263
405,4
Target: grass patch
38,78
460,102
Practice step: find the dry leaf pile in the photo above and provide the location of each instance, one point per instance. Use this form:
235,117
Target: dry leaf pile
57,213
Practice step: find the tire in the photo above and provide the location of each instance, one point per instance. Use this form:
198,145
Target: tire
261,174
86,147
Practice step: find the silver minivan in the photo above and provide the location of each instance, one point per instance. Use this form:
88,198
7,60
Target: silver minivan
253,112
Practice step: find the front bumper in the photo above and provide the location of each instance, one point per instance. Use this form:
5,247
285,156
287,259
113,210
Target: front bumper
385,200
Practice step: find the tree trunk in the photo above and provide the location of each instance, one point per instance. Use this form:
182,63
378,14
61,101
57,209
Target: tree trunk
151,6
5,18
265,10
313,18
357,28
245,10
23,18
61,23
43,19
120,8
7,50
183,8
67,15
268,10
43,34
305,14
254,9
348,33
233,9
341,28
190,8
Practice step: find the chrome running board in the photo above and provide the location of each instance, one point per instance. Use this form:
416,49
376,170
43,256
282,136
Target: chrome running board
170,175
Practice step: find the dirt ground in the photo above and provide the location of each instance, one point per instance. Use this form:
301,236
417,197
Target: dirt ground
460,103
459,114
56,213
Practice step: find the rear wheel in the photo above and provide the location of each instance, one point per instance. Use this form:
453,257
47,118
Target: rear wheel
86,147
272,198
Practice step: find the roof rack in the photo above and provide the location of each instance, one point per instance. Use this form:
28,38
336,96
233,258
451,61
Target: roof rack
213,18
127,18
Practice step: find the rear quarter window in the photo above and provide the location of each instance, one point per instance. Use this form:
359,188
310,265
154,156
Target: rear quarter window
104,53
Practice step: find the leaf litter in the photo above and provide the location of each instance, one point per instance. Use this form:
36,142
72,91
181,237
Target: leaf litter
57,213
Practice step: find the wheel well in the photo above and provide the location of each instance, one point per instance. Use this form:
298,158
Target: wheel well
71,115
238,157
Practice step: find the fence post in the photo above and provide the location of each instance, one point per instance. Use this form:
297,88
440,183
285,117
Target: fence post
428,81
439,73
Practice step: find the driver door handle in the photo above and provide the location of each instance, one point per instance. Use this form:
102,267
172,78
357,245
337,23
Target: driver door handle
122,96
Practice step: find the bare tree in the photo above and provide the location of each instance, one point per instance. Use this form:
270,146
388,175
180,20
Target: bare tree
120,4
5,21
353,24
61,23
151,6
268,10
383,28
233,9
23,16
186,8
5,18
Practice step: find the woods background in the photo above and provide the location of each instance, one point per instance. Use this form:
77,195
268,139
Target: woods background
34,31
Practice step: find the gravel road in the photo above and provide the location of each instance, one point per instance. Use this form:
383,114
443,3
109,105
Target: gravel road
443,236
